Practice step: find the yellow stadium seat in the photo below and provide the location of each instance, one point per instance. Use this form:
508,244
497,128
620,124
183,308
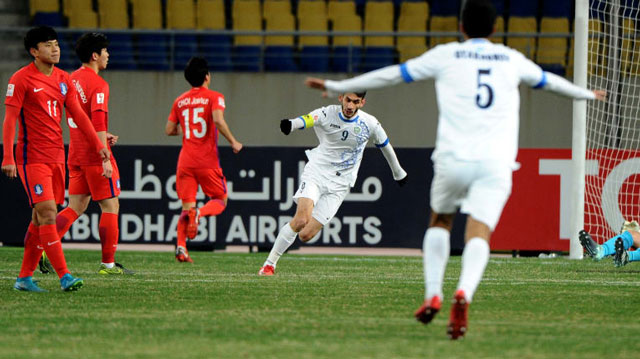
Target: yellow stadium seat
210,15
377,10
347,23
526,45
86,19
629,60
340,8
313,23
276,8
147,14
246,8
414,9
113,14
248,22
375,23
553,50
499,28
596,53
43,6
181,14
282,22
443,24
411,46
308,8
82,6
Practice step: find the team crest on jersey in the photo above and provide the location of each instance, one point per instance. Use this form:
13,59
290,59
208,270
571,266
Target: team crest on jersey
38,189
100,97
10,89
357,130
63,88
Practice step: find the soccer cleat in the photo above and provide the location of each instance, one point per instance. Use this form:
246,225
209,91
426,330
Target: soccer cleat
69,283
26,284
116,269
458,320
182,255
125,270
267,270
592,248
44,265
630,226
428,310
192,227
621,257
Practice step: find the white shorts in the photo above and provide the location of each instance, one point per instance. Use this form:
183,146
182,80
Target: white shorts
327,195
479,189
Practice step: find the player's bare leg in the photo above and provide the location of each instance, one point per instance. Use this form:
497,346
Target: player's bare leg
435,249
474,261
287,234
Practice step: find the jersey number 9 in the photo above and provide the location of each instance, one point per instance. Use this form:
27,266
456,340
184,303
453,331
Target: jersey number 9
193,120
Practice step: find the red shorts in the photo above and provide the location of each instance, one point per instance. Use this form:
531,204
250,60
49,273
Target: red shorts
43,181
89,180
211,180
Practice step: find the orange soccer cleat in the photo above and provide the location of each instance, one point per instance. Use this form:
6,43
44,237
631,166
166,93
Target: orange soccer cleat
182,255
428,310
458,320
267,270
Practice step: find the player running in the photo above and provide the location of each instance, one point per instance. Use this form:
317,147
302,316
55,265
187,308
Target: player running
343,131
85,167
617,246
198,115
476,145
36,95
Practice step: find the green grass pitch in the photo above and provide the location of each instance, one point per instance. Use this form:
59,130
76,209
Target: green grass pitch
317,306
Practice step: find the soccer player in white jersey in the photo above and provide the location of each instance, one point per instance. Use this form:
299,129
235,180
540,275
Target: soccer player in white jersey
343,131
477,142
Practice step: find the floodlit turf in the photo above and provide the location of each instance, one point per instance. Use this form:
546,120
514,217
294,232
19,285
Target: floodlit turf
316,307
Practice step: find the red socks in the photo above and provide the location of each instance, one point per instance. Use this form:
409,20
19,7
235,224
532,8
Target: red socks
182,229
212,208
109,234
64,220
53,247
32,251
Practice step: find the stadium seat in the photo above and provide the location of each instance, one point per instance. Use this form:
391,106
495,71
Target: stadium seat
46,6
307,8
314,50
379,50
152,49
121,54
378,10
347,50
78,6
443,24
113,14
279,48
276,8
499,29
445,8
596,57
411,46
628,55
247,48
53,19
180,14
210,15
147,14
83,19
414,9
523,9
526,45
337,8
557,8
552,51
241,8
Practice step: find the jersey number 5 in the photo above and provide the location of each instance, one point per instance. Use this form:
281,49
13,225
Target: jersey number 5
195,119
489,90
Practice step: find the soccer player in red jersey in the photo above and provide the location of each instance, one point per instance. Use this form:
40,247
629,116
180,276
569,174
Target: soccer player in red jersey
85,166
35,96
199,114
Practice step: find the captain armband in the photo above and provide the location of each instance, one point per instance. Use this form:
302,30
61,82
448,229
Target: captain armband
308,121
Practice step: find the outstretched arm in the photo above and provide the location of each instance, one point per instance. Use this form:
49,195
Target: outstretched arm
8,133
383,77
221,124
399,174
555,83
298,123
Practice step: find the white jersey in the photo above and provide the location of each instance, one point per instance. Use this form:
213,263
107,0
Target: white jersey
477,91
342,142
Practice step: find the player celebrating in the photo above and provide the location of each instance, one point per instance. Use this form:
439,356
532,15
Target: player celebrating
35,95
343,132
199,113
617,246
476,146
85,167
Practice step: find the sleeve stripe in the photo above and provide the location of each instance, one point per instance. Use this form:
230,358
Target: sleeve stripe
405,73
304,123
386,142
543,81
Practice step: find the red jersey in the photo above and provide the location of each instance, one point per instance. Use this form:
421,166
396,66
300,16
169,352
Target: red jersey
40,98
193,111
93,95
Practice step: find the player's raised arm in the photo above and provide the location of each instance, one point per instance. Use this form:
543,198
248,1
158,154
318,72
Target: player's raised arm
8,133
221,124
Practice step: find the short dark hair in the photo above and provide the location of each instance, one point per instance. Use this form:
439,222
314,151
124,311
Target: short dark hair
37,35
196,71
359,94
89,43
478,18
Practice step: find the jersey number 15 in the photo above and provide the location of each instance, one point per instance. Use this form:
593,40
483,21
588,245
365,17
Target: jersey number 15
193,120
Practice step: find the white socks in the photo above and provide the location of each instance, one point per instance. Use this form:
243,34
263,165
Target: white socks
109,265
285,238
435,251
474,260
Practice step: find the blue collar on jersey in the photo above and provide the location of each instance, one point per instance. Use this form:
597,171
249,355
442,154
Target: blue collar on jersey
345,120
478,40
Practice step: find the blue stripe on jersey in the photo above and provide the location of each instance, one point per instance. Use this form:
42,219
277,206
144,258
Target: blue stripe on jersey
24,138
386,142
345,120
113,194
405,73
304,123
543,81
